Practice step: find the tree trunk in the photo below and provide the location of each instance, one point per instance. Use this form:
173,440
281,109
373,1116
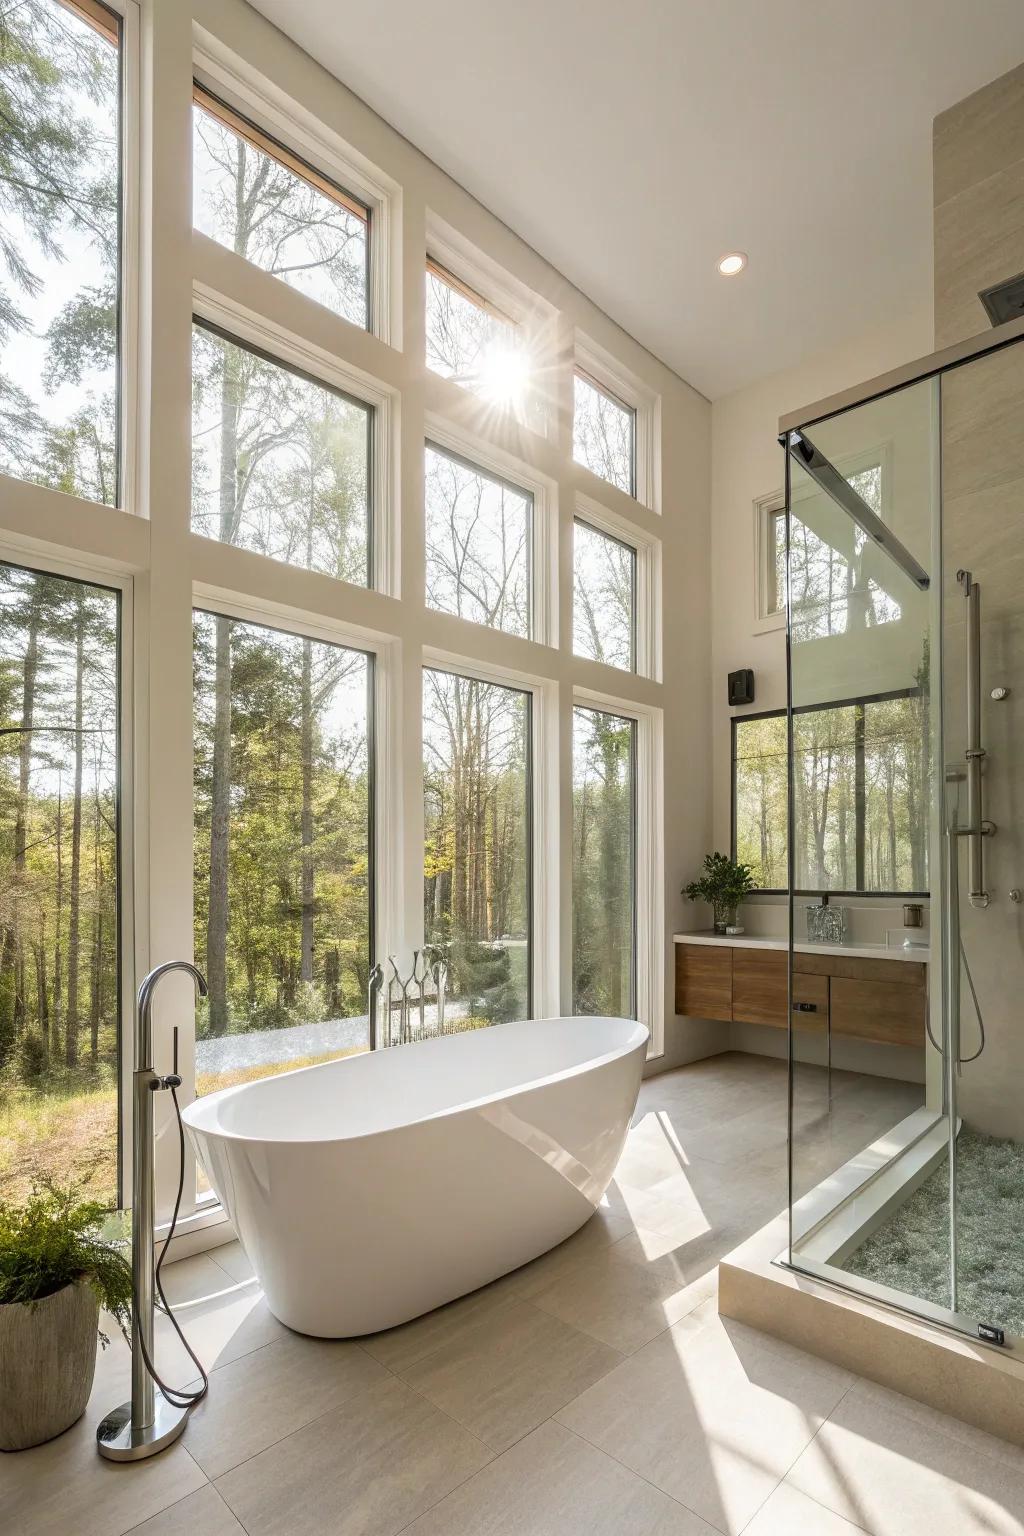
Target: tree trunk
58,974
96,982
71,1032
28,705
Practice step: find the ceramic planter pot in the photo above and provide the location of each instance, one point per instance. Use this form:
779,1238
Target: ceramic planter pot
47,1362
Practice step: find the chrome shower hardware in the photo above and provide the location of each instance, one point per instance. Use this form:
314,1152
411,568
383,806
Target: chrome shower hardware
977,828
156,1414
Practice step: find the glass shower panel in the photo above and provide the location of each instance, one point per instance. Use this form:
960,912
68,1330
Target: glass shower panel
983,694
866,1088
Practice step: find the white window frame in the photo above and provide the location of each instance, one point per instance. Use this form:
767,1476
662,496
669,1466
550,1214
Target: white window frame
285,347
532,316
648,855
613,378
647,597
442,433
253,96
544,894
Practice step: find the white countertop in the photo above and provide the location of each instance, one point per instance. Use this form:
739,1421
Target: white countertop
919,953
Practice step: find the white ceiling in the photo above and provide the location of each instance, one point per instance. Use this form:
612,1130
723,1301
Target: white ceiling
633,142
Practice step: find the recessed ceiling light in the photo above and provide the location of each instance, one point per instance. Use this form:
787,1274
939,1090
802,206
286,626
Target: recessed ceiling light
731,265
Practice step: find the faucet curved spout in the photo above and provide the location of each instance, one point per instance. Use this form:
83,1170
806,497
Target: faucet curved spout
144,1025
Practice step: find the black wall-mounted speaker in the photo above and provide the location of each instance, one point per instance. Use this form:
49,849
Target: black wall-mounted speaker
741,686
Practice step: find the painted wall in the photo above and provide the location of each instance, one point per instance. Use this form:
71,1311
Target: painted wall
979,239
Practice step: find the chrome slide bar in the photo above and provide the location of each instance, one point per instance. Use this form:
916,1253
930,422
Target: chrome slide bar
977,828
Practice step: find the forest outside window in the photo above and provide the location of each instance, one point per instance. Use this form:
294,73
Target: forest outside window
604,597
260,200
479,535
60,169
604,843
280,461
604,433
471,342
283,886
478,843
861,774
59,883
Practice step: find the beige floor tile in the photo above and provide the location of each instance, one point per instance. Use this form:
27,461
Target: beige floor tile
233,1258
220,1327
555,1484
511,1373
365,1469
266,1395
627,1296
791,1513
65,1486
401,1347
203,1513
932,1418
608,1224
898,1476
712,1419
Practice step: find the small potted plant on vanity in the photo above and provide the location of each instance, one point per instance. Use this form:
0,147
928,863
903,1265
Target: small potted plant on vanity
56,1271
723,886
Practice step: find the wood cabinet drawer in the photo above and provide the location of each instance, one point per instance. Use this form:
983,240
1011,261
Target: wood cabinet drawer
704,981
876,1010
899,973
759,986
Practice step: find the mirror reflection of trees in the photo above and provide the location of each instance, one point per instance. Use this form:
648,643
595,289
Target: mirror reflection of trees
280,465
478,536
59,228
58,882
282,853
477,857
861,785
604,598
603,435
603,863
273,215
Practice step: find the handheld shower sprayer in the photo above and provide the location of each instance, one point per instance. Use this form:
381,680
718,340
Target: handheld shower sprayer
156,1414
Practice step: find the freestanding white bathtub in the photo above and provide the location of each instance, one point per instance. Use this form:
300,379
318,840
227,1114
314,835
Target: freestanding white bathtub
369,1190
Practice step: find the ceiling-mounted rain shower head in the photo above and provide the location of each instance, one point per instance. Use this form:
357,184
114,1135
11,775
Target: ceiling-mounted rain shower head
824,474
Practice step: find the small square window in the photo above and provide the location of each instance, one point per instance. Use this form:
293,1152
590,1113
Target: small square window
604,598
270,207
604,434
471,342
479,532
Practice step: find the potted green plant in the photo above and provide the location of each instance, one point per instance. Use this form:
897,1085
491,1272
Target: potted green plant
56,1271
723,886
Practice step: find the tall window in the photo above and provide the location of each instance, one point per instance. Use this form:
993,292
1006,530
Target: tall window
59,968
280,463
604,434
477,842
603,863
267,205
283,859
471,342
478,544
59,238
604,598
861,784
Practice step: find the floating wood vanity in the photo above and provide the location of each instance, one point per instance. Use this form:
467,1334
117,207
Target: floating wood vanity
861,991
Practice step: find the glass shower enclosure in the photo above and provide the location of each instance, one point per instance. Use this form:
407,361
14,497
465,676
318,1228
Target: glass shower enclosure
905,721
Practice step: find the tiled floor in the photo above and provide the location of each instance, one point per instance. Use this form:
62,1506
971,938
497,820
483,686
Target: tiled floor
594,1393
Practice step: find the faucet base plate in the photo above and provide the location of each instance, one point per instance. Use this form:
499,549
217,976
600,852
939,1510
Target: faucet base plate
118,1439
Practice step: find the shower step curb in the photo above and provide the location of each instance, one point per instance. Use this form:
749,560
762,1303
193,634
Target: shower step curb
978,1383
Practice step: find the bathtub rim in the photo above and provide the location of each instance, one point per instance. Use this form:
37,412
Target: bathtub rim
639,1040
